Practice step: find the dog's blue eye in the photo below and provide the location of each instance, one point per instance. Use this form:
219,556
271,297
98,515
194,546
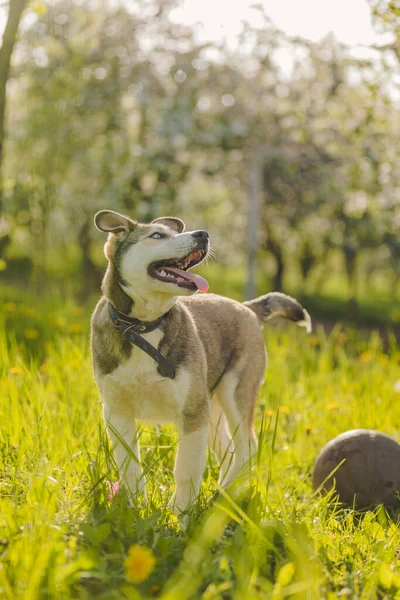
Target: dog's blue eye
157,236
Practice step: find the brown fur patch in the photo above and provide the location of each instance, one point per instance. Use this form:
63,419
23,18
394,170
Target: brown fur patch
108,347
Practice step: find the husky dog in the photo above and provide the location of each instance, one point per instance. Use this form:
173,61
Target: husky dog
162,354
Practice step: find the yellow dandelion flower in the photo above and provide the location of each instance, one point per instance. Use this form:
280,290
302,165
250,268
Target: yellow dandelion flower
366,356
16,371
284,410
139,563
332,405
31,334
75,328
60,321
10,307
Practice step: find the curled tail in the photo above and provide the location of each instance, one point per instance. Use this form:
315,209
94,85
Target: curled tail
277,304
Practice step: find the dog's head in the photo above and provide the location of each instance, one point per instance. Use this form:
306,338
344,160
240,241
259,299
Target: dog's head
155,257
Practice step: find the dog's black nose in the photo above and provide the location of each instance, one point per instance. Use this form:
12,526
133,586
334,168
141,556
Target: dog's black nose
200,234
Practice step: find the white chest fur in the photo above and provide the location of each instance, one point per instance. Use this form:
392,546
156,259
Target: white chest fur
137,388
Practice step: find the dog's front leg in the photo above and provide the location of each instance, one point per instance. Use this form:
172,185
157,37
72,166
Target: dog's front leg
189,468
121,427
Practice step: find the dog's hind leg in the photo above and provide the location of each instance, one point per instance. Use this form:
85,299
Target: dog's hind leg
121,427
237,399
219,438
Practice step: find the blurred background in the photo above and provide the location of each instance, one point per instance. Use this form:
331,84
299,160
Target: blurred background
275,125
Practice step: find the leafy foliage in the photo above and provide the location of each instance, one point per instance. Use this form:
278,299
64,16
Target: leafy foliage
122,107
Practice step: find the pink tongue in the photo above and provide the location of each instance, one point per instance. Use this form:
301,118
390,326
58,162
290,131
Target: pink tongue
200,282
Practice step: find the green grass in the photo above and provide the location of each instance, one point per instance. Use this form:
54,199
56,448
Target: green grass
62,537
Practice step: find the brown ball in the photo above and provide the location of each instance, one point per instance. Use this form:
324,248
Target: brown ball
370,474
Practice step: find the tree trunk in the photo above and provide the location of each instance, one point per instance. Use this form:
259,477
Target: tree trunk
275,249
307,260
350,261
253,223
9,38
280,268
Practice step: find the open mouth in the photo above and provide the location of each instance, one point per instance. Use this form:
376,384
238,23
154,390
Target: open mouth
176,271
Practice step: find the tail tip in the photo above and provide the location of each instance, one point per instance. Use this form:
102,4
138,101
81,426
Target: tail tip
305,322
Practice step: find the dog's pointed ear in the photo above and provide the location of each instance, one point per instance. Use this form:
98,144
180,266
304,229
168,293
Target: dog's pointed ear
112,222
172,223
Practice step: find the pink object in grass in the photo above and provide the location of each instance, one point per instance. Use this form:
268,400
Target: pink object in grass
113,487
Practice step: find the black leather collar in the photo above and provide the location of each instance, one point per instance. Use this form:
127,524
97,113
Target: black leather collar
131,329
136,324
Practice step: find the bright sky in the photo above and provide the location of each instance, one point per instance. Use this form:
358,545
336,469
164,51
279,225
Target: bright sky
349,20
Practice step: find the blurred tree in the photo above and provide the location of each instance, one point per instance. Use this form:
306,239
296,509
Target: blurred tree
15,10
115,105
108,123
386,15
